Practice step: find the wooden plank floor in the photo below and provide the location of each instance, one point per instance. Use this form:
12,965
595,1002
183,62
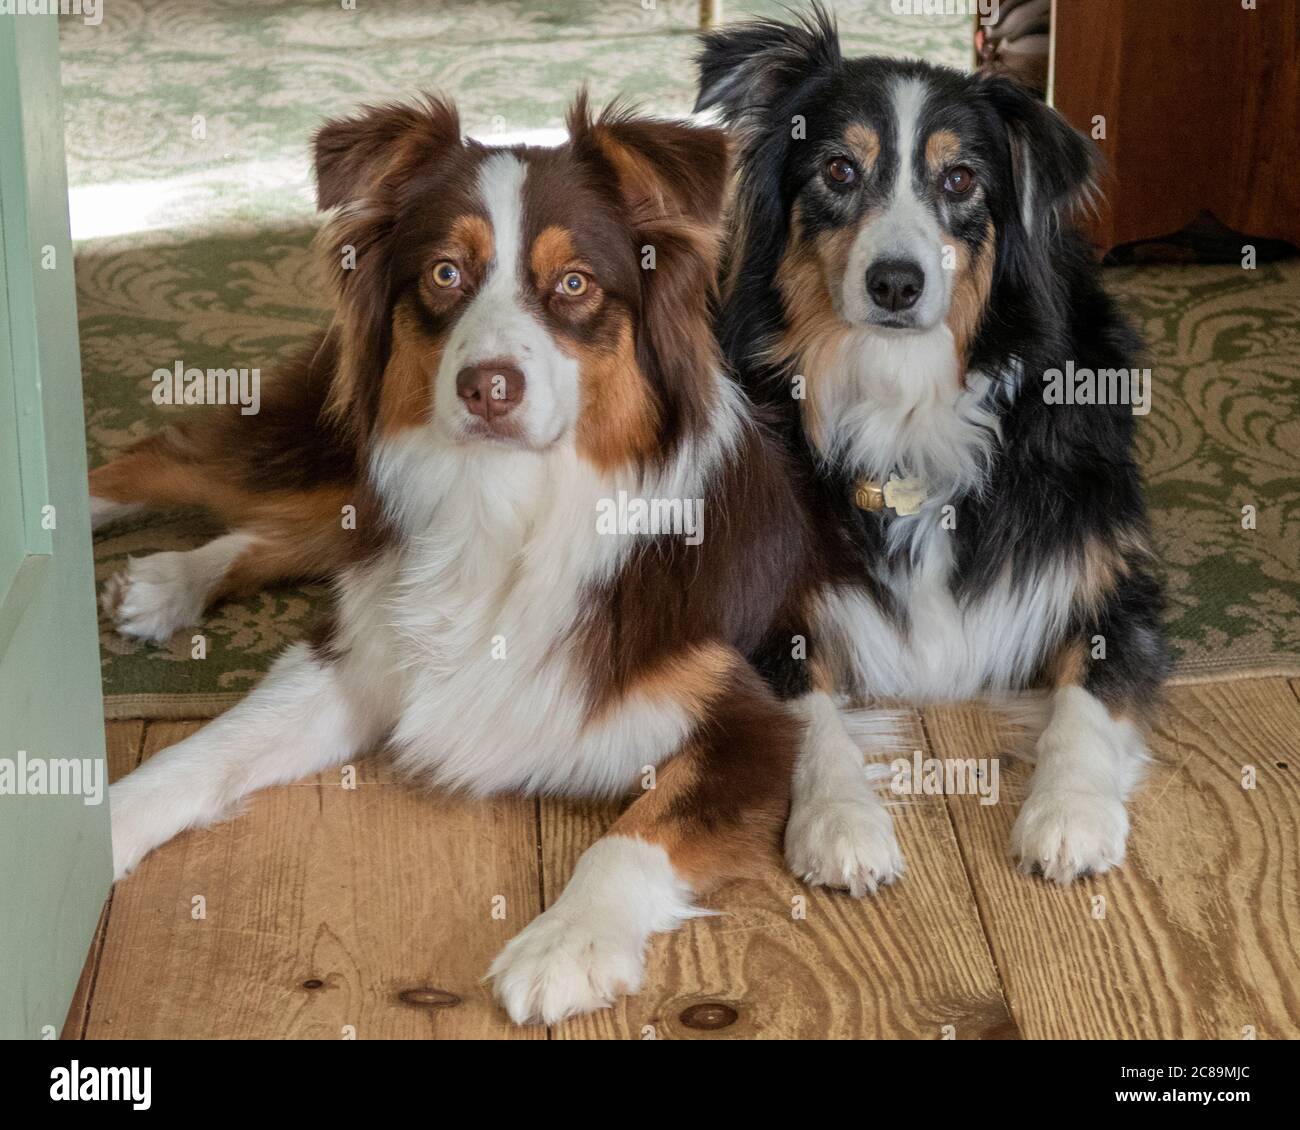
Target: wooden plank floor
331,912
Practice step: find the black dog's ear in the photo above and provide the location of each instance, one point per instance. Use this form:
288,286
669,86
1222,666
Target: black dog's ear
745,68
356,157
1054,165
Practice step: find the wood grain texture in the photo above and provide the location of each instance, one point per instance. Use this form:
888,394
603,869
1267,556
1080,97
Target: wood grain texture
1200,108
326,909
1197,939
124,742
900,965
74,1024
381,890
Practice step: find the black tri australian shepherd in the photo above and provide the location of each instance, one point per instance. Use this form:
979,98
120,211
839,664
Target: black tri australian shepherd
902,284
521,351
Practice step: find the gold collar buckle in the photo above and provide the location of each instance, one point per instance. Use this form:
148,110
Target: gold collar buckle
902,496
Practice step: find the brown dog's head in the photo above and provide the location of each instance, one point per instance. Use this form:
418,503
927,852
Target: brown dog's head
523,296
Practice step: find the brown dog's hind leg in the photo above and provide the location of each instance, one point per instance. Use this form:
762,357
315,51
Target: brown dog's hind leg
161,472
282,536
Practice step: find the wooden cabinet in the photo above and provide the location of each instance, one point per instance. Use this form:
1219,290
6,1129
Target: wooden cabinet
1200,105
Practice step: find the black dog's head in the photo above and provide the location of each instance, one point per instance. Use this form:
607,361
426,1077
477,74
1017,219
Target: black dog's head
887,196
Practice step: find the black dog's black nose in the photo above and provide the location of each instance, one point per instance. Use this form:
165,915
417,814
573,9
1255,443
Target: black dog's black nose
895,284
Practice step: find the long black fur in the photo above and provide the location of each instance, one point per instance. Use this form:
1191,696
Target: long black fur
1059,476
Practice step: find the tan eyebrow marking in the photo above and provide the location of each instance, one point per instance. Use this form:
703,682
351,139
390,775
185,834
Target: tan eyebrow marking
471,237
553,250
942,148
865,143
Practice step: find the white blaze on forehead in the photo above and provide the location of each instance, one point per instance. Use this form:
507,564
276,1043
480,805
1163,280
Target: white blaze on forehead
500,323
908,96
501,186
907,228
495,324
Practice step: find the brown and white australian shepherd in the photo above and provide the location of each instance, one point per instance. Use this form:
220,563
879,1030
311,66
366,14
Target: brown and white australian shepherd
521,338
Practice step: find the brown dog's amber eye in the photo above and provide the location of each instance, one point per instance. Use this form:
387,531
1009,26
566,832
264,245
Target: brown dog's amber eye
446,274
573,284
958,181
841,171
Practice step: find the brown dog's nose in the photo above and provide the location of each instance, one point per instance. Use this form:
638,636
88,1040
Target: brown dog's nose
490,389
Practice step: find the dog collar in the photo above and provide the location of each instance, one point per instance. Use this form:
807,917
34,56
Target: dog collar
902,496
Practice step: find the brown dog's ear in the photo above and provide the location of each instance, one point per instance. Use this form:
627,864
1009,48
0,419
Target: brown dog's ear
356,157
361,164
665,170
670,181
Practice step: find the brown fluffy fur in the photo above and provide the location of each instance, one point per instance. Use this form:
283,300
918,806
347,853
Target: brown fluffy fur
677,622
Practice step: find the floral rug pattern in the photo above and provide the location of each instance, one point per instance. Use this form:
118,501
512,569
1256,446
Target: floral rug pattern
192,211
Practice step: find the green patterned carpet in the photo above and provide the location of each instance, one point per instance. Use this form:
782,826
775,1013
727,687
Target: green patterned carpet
187,128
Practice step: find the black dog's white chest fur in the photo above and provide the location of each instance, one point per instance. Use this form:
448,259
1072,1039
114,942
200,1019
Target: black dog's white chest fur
930,638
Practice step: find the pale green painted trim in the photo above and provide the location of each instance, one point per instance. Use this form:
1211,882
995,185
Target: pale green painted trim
55,849
13,516
20,181
22,593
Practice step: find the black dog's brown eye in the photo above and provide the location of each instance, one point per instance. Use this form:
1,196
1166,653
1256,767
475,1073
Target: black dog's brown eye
841,171
573,284
958,181
446,274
